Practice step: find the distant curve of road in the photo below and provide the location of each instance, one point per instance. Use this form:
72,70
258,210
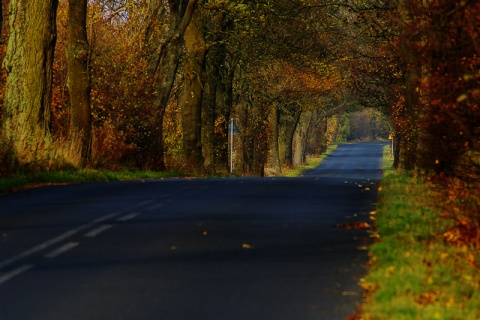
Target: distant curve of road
233,248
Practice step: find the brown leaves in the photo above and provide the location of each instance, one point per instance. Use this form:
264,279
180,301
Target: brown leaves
426,298
353,225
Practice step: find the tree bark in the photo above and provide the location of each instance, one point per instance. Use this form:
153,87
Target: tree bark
194,70
29,65
409,112
78,84
218,97
164,61
274,148
290,121
300,139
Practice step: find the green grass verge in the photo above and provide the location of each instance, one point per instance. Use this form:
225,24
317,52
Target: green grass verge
414,272
312,162
21,181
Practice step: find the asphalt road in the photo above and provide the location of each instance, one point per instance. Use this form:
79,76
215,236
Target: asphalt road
245,248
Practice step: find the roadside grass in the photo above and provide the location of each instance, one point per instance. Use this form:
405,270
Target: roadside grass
21,181
416,270
29,180
312,162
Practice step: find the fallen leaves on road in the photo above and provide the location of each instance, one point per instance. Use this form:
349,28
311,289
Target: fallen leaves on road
353,225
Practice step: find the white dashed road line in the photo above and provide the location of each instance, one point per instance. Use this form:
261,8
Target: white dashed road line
43,246
128,217
155,206
97,231
55,240
49,243
66,247
15,272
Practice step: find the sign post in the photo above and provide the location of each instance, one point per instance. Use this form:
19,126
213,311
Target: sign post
391,138
232,132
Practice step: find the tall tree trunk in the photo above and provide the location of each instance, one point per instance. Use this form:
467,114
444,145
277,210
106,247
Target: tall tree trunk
209,113
164,62
274,148
224,111
78,84
29,65
217,96
194,70
290,122
300,139
409,112
2,78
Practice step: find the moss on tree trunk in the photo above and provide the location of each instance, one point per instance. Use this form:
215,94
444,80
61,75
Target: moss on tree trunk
29,65
78,83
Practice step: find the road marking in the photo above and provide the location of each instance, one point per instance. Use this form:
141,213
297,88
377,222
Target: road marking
101,219
145,203
42,246
64,236
155,206
129,217
66,247
54,241
97,231
15,272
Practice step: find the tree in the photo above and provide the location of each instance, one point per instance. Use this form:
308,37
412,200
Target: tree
450,88
407,111
194,80
29,65
164,59
78,83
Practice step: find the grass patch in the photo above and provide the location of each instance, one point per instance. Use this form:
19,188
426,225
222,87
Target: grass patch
312,162
387,160
21,181
416,272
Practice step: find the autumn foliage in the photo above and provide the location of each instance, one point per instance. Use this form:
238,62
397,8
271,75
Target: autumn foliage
285,70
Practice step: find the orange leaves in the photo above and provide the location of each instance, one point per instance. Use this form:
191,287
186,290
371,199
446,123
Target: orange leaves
462,234
427,298
460,200
299,83
354,225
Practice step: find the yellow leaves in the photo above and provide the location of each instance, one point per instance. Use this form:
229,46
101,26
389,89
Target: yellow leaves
450,302
366,285
353,225
374,235
467,277
462,98
443,255
452,235
426,298
472,260
389,271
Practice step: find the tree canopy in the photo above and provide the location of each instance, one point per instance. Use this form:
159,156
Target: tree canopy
154,84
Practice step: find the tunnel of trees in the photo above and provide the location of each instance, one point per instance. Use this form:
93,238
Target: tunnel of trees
153,84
